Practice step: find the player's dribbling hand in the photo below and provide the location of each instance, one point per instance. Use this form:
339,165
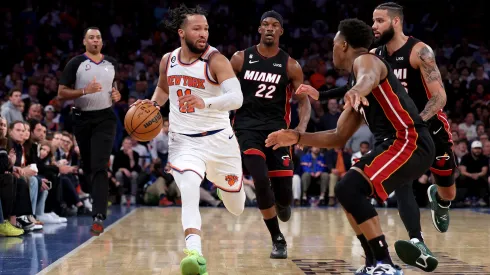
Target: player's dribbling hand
282,138
353,99
145,101
93,87
115,95
308,90
192,101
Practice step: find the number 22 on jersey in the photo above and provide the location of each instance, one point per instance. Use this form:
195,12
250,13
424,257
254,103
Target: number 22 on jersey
182,107
262,87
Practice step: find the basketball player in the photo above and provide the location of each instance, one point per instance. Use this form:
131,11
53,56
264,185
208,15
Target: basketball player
267,76
404,148
202,88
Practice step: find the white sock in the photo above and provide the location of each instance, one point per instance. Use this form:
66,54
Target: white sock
193,242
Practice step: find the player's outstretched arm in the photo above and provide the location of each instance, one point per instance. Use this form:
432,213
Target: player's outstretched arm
347,125
295,73
422,57
160,96
369,70
333,93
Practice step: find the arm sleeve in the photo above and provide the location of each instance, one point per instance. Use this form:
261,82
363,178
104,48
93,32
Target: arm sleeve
333,93
69,75
231,99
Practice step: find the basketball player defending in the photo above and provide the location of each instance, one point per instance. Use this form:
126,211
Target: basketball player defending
404,148
202,88
267,76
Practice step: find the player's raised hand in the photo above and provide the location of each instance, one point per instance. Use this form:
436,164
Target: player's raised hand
282,138
192,101
308,90
353,99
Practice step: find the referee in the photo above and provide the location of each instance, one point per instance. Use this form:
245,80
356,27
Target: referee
87,79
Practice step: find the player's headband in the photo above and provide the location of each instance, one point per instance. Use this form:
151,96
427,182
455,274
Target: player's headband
273,14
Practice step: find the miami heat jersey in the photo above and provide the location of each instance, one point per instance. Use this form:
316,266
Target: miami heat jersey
193,78
266,93
391,112
410,77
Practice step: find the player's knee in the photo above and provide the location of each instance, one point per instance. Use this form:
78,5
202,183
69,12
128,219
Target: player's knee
257,167
234,202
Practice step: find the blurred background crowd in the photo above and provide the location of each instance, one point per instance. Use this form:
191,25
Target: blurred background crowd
39,37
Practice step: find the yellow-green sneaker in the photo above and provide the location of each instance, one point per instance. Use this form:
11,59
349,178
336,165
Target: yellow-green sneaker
193,264
8,230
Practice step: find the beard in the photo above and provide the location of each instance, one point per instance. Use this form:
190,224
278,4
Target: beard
193,48
385,37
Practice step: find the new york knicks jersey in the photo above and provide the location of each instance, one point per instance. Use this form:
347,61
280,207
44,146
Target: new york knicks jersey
193,78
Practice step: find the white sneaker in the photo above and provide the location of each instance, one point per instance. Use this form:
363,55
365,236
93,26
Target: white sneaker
61,219
48,219
87,204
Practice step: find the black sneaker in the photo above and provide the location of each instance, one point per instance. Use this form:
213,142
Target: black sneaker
283,213
97,225
24,223
279,248
83,211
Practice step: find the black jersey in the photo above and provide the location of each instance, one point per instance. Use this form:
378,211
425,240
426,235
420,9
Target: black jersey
391,112
415,86
266,92
410,77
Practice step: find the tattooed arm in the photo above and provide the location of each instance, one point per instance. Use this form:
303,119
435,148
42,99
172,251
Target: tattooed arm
423,58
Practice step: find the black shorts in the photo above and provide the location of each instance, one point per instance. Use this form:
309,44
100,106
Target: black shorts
279,162
444,163
395,162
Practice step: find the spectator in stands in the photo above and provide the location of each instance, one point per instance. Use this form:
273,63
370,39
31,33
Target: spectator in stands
473,181
50,119
35,111
329,120
339,163
314,170
10,109
126,168
468,126
7,187
363,149
363,134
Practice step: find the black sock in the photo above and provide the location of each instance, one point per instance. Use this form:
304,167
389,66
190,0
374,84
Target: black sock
367,250
380,250
417,235
441,201
273,226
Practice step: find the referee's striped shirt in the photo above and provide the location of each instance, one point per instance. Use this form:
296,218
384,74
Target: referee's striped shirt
81,70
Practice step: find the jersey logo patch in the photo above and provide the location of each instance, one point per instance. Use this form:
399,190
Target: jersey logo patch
231,179
435,132
252,62
173,65
400,58
277,65
88,67
172,59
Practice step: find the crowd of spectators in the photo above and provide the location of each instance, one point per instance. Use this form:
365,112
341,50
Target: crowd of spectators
40,177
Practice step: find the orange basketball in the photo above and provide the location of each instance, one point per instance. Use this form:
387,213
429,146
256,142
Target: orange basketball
143,122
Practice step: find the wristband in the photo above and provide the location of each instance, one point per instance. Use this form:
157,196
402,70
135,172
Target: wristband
83,91
155,103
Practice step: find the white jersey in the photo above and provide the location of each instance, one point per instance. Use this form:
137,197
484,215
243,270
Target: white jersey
193,78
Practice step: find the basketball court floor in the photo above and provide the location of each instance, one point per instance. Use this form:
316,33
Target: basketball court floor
149,241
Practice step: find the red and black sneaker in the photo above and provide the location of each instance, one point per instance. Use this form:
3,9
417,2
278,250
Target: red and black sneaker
97,226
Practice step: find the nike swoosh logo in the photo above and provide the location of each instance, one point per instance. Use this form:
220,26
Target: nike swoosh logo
435,132
252,62
173,65
231,136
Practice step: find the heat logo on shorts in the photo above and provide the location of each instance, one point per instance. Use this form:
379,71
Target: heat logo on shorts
157,118
441,160
285,161
231,179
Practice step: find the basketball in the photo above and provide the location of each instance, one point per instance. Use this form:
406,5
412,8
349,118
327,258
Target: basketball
143,122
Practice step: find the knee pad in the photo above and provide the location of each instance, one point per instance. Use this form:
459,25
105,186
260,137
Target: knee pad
283,190
234,201
352,192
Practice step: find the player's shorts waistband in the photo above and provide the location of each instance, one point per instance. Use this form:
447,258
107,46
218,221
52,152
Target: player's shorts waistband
203,134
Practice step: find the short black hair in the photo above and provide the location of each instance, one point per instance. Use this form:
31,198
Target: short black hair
364,142
393,9
357,33
177,16
90,28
